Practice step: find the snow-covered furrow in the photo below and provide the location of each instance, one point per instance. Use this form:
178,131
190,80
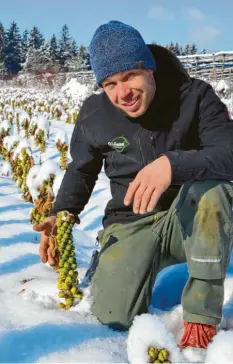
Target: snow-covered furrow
29,318
14,251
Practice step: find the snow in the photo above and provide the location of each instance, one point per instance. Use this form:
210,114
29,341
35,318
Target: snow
23,116
38,174
75,90
47,169
6,169
201,55
224,89
147,331
57,181
222,85
33,329
42,124
9,141
30,181
34,119
23,144
8,108
62,137
221,349
5,125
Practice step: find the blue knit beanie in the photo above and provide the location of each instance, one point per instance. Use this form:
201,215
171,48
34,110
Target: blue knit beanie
117,47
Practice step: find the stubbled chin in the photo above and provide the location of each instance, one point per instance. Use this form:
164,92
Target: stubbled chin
134,114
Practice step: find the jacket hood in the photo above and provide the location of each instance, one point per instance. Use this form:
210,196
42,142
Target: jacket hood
169,69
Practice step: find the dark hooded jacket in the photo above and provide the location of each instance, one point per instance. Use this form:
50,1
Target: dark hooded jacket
186,121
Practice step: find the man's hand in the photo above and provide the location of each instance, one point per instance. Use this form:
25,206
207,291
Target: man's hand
149,184
46,227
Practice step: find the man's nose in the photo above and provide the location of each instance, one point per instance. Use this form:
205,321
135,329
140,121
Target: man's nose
123,91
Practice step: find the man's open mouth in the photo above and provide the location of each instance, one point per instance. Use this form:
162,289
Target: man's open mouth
132,105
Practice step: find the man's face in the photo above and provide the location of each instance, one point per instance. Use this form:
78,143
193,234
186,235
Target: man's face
131,91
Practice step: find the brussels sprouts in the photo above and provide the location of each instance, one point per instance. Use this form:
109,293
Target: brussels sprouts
68,275
163,355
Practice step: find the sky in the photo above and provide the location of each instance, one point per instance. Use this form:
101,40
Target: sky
207,23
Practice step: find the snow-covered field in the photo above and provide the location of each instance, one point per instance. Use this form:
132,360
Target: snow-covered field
33,329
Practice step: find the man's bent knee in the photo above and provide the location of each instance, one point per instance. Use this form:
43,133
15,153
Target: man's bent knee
110,310
205,215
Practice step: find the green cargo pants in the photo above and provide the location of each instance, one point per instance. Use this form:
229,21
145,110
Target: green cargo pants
197,229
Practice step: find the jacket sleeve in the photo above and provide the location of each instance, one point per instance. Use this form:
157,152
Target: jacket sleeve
214,160
81,174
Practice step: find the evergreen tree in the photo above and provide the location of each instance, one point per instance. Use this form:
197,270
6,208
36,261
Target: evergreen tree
187,49
176,50
65,46
12,54
2,48
2,41
25,45
85,56
36,39
34,45
203,51
38,59
171,47
74,48
80,62
53,48
181,51
193,49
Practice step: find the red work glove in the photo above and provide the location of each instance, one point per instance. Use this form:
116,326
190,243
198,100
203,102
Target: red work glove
197,335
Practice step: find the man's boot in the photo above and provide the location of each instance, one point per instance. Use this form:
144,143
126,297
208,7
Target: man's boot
197,335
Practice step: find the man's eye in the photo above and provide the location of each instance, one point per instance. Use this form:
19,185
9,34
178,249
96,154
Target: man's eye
109,85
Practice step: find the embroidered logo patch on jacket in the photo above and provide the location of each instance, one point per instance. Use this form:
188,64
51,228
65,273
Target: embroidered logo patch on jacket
119,143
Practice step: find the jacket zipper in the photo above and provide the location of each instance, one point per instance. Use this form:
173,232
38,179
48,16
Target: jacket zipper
140,147
153,146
